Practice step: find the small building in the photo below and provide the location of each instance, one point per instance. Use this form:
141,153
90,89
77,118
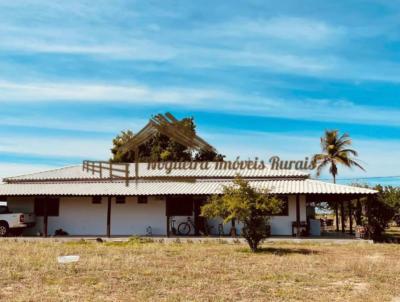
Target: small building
93,200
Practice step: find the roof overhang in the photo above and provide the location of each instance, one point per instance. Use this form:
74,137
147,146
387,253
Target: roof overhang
310,187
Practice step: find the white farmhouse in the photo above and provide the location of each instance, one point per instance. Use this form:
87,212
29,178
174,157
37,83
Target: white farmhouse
92,200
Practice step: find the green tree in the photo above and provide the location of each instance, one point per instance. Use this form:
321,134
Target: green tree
391,196
243,203
379,209
161,148
336,150
118,142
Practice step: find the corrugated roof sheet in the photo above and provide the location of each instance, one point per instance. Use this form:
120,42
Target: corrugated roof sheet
166,187
76,173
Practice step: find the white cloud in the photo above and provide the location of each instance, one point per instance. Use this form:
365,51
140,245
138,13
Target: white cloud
273,60
200,99
95,124
286,28
12,91
127,45
310,109
284,44
57,146
133,50
322,110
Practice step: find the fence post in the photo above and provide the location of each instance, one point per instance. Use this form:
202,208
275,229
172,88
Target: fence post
127,174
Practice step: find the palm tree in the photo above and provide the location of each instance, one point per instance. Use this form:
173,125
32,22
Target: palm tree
336,150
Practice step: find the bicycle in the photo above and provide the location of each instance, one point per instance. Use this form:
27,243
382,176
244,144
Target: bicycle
185,228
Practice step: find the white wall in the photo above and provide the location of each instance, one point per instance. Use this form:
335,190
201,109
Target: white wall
78,216
282,225
133,218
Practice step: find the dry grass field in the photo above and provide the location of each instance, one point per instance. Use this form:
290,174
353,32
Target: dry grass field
137,271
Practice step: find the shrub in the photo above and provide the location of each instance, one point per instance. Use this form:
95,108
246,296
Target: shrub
243,203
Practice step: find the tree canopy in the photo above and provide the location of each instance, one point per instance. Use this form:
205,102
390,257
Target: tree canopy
380,209
161,148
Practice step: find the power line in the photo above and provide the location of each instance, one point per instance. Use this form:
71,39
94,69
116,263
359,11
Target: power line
361,178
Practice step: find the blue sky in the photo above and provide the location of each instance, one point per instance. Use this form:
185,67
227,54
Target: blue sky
261,78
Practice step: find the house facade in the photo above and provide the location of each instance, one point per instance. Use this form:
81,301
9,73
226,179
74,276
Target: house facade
104,199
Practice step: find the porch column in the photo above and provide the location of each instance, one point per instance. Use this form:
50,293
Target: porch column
45,217
298,215
337,216
109,216
167,215
351,217
196,213
358,212
342,215
168,226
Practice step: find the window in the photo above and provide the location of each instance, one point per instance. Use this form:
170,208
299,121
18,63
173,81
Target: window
120,199
52,205
285,207
96,199
142,199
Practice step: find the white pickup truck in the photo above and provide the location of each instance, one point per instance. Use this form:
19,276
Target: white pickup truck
14,223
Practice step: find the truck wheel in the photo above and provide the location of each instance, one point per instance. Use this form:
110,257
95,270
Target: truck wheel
3,229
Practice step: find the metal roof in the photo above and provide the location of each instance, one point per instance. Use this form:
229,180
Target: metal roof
77,173
170,186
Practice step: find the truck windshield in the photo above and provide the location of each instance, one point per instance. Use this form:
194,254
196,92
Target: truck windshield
4,210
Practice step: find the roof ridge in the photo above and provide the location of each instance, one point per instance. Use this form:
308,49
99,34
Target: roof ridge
341,185
75,172
35,173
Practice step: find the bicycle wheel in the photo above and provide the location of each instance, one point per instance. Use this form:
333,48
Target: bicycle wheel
184,228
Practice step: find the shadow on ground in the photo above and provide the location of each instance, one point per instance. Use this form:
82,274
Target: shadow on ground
283,251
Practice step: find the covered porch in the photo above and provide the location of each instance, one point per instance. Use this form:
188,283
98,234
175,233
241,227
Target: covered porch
174,215
348,210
